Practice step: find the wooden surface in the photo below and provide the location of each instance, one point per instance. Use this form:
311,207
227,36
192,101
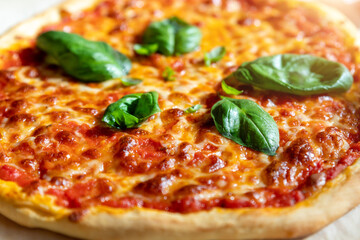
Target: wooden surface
14,11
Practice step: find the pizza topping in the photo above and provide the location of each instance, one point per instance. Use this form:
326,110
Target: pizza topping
230,90
193,109
85,60
9,173
66,138
295,74
160,185
83,194
168,74
146,49
247,124
349,158
22,118
138,155
131,110
214,55
128,81
124,202
171,36
296,164
331,142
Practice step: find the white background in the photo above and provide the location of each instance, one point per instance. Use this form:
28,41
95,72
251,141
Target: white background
15,11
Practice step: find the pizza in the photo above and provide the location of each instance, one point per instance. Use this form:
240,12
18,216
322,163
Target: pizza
181,119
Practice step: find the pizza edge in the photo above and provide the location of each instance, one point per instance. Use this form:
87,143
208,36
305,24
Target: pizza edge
300,220
53,14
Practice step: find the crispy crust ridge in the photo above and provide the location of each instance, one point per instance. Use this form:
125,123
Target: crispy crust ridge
105,223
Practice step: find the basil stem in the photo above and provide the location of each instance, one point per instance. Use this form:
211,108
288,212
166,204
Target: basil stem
295,74
131,110
85,60
247,124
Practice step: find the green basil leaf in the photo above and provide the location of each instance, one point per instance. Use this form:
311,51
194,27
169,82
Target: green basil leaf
168,74
131,110
128,81
187,37
230,90
295,74
193,109
146,49
247,124
85,60
214,55
50,60
172,36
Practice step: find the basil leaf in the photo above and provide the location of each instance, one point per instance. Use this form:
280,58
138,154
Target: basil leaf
168,74
128,81
85,60
131,110
230,90
146,49
187,37
296,74
215,55
247,124
50,60
172,36
193,109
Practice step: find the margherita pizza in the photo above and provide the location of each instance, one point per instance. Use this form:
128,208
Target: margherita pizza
180,119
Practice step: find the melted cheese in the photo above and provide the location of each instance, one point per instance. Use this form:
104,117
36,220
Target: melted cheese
51,126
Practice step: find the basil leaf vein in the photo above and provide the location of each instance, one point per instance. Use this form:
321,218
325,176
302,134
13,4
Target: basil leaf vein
131,110
88,61
247,124
295,74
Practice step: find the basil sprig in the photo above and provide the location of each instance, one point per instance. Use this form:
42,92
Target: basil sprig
295,74
88,61
247,124
215,55
169,37
128,81
168,74
193,109
229,90
146,49
131,110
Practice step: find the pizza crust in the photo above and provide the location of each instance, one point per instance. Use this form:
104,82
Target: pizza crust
335,199
307,217
27,28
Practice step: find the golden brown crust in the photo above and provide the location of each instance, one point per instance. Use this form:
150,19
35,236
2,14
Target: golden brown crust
309,216
334,200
